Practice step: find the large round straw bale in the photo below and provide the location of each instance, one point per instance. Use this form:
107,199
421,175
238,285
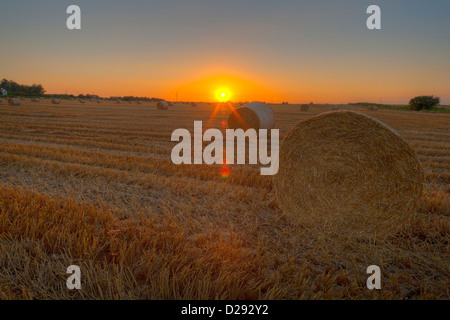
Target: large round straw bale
56,101
82,101
256,115
162,105
14,102
304,107
348,170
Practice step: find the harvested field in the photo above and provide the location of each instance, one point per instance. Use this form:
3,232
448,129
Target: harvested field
93,185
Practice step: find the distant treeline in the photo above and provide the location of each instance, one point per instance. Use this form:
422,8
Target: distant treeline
96,97
16,89
436,109
36,90
132,98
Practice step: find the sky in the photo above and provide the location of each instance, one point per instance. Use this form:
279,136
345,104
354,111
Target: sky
266,50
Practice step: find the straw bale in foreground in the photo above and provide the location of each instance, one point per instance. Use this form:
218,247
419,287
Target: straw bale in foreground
348,170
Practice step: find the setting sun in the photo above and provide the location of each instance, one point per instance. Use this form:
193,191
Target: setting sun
223,94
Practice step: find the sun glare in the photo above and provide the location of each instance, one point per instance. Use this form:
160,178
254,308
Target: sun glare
223,94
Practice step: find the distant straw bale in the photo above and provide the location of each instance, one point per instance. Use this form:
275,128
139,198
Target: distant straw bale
350,171
335,107
193,104
35,100
304,107
256,115
82,101
14,102
162,105
56,101
373,108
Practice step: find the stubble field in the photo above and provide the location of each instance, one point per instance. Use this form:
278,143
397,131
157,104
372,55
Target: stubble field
93,185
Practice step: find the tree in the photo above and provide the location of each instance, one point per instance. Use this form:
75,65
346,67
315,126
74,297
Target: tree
14,88
424,102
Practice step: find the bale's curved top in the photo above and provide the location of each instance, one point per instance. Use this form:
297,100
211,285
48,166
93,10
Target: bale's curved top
346,168
256,115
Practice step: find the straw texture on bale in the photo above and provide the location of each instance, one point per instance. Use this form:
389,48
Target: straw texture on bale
14,102
162,105
256,115
304,107
350,171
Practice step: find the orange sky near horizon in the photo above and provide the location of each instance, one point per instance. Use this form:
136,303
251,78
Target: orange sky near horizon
311,87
